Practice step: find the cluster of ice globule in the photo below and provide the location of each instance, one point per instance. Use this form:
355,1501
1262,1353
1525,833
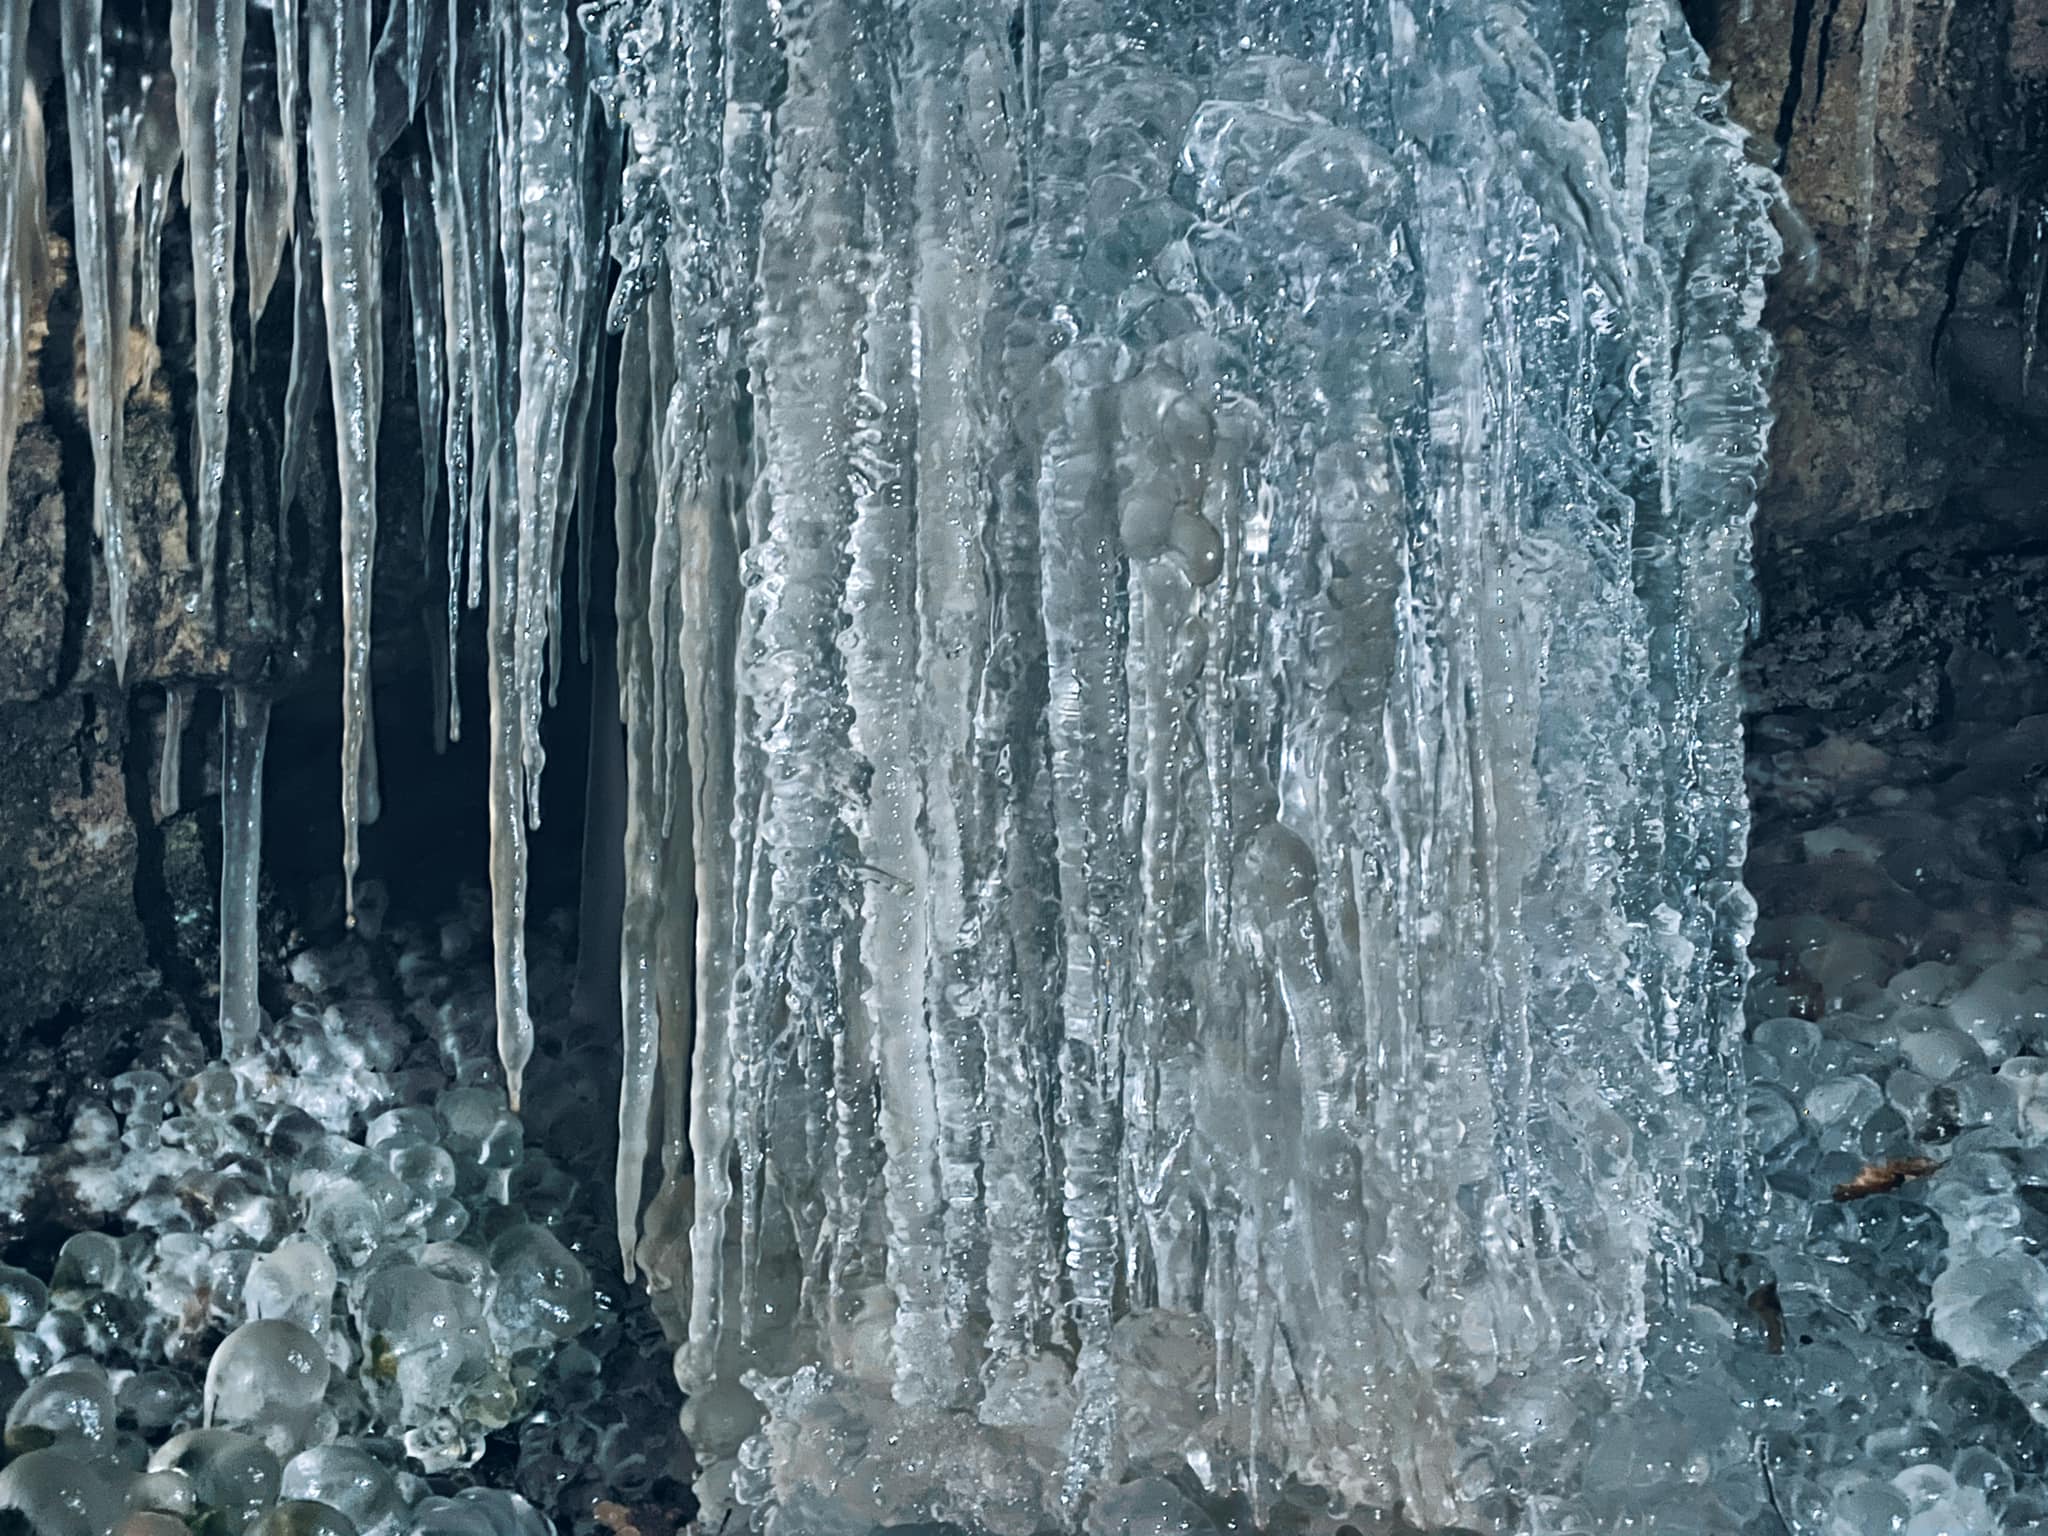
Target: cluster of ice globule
1868,1351
339,1268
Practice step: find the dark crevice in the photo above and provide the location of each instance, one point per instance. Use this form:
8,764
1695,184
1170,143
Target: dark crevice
84,740
1795,81
75,475
1958,263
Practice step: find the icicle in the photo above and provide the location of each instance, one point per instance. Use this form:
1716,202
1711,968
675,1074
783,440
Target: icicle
460,138
372,803
459,319
170,760
1876,44
246,725
507,796
308,366
817,250
103,302
423,283
397,70
21,223
268,213
883,666
142,134
1078,531
288,38
540,177
582,315
547,175
345,211
1646,19
206,58
635,514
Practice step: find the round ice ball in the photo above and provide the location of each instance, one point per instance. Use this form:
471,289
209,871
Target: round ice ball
543,1290
229,1470
23,1298
302,1517
59,1495
348,1479
169,1492
71,1406
294,1283
88,1261
478,1512
265,1371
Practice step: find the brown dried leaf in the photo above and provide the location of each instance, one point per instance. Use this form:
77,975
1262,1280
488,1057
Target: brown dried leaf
1882,1178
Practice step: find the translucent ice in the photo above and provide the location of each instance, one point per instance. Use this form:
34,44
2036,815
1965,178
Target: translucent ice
58,1495
72,1406
268,1376
346,1479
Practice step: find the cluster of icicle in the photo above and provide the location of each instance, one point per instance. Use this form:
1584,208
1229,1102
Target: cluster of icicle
1180,573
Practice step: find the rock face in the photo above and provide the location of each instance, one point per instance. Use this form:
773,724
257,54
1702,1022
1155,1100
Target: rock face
67,882
1898,131
1899,554
98,882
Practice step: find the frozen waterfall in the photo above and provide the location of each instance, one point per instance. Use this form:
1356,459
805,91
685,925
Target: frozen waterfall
1180,574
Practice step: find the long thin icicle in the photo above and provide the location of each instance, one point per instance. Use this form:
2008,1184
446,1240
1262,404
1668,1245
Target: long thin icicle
423,289
268,213
206,58
170,761
246,725
540,244
345,211
103,303
21,198
635,514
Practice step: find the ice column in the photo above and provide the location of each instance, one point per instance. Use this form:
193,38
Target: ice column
246,731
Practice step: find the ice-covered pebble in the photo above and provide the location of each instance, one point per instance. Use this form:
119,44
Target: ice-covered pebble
229,1470
72,1407
58,1494
349,1480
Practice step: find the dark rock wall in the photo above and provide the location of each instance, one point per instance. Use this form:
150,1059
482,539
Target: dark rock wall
1898,391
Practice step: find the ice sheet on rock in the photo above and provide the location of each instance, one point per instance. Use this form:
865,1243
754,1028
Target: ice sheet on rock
1874,41
1284,732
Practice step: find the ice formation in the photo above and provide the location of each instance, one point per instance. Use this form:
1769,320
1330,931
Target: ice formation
1179,578
342,1268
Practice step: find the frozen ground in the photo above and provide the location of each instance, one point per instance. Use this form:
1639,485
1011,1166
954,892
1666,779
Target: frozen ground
338,1272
